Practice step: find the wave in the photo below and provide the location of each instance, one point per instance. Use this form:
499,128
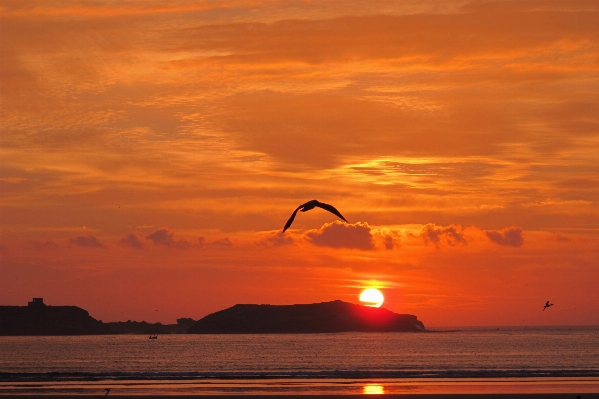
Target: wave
249,375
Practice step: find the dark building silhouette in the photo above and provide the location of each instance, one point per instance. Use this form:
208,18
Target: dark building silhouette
36,303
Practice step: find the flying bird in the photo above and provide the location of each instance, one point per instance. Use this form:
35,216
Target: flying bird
547,305
311,205
107,392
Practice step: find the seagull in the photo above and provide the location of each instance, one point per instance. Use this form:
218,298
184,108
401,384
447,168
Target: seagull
311,205
107,392
547,305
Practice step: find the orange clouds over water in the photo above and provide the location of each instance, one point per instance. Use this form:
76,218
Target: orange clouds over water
157,148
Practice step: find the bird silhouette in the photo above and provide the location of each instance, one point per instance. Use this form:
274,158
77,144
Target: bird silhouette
547,305
107,392
311,205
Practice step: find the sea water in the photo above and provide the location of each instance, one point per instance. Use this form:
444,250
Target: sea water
514,359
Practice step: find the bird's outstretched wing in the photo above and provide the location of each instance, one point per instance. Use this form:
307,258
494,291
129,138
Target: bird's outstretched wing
331,209
292,217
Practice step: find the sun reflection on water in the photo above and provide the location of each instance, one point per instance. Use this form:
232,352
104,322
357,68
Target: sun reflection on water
373,389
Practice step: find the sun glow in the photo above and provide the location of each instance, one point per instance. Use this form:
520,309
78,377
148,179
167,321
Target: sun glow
373,389
372,297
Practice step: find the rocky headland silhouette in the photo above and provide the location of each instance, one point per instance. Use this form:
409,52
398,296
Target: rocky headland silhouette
40,319
327,317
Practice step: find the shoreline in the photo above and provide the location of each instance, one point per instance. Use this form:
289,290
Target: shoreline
420,389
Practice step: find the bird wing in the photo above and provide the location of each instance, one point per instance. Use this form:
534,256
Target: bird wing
288,224
331,209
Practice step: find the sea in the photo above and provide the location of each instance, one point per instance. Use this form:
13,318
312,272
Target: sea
453,360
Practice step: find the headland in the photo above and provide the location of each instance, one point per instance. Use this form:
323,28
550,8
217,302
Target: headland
326,317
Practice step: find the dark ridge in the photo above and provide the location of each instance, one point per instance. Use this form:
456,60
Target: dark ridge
40,319
326,317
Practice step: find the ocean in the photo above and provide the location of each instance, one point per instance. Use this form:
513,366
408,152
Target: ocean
461,360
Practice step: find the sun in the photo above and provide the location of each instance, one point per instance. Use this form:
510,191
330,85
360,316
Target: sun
372,297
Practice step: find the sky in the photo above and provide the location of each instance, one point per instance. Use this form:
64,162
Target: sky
152,151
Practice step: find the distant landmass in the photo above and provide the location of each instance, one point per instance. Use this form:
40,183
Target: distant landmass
39,319
326,317
142,327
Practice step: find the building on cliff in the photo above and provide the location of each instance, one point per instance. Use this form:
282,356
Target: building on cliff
38,318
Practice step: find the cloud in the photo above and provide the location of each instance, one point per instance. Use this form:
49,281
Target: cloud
167,238
132,240
451,235
343,235
277,239
87,241
388,242
511,236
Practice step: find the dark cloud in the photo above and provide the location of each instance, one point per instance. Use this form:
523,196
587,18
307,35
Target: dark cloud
167,238
451,235
511,236
342,235
132,240
389,242
87,241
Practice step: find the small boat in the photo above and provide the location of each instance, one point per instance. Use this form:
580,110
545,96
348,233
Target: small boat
153,336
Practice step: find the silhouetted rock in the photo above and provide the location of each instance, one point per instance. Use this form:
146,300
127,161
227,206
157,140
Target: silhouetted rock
39,319
325,317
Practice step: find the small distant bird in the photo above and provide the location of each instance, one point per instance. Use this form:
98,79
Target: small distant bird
107,392
547,305
311,205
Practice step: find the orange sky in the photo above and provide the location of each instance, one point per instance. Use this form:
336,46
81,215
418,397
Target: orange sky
151,152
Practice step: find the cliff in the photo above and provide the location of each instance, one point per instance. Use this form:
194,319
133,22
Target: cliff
325,317
39,319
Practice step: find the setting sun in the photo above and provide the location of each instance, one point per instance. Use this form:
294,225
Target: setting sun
372,297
